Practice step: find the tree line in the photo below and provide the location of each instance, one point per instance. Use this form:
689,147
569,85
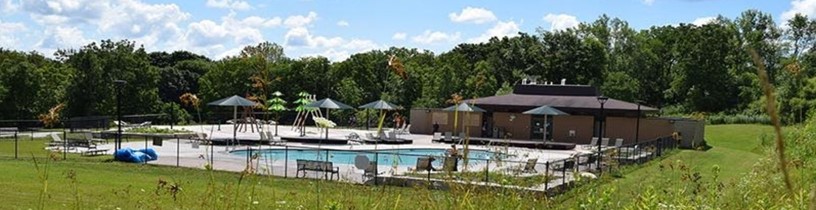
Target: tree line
682,69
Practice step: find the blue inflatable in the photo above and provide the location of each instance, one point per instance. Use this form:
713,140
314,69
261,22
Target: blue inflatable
135,156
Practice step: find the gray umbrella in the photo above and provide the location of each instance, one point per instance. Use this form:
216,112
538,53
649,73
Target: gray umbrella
382,106
379,104
233,101
545,110
464,107
328,104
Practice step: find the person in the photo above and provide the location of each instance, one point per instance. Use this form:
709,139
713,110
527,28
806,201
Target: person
453,152
436,127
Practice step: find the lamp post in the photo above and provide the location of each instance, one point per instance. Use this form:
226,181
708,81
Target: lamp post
119,85
602,100
637,125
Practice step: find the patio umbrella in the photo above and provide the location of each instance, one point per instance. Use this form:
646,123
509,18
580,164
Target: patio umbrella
382,106
463,107
546,111
233,101
328,104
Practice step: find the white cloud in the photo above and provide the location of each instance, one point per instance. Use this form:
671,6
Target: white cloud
399,36
62,37
342,23
804,7
331,54
7,6
501,29
431,37
229,4
648,2
703,20
7,34
240,31
299,20
473,15
561,21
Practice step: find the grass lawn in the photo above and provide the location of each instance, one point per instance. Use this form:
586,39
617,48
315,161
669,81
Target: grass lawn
734,151
99,183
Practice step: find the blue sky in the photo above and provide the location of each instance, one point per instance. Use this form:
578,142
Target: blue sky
334,29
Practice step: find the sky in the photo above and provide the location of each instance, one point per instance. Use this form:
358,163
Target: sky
335,29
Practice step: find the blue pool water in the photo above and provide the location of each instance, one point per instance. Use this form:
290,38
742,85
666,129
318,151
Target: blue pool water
402,157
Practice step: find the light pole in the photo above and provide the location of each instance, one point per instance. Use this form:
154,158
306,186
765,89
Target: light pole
119,85
637,125
602,100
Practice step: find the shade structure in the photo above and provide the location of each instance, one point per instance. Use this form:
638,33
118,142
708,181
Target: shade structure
328,104
546,111
379,104
464,107
233,101
382,106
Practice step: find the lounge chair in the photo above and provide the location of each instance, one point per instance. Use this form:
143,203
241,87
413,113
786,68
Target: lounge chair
450,164
436,137
425,164
448,137
263,137
592,143
618,142
407,129
529,167
274,140
604,142
89,137
56,141
461,138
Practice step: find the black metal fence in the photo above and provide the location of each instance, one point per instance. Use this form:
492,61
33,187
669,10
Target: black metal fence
496,166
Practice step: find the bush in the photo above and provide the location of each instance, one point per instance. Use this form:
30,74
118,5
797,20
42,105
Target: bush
721,118
173,112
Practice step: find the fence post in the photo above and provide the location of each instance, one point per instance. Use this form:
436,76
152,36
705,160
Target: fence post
325,172
285,161
178,147
376,167
65,145
145,142
564,173
546,174
487,171
15,144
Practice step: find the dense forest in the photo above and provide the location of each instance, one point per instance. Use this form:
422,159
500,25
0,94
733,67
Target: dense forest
682,69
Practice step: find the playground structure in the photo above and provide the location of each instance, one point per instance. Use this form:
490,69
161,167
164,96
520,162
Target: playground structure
305,113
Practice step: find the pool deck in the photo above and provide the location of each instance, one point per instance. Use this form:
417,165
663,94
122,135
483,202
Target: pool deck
188,156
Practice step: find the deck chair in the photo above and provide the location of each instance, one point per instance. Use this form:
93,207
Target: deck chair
592,143
274,140
370,136
530,166
89,137
407,129
605,142
448,137
450,164
263,137
436,137
56,141
461,138
618,142
425,164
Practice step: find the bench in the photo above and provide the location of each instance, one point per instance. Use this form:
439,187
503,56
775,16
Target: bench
318,166
94,152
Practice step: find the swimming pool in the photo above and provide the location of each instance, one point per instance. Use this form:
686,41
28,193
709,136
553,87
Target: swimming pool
402,157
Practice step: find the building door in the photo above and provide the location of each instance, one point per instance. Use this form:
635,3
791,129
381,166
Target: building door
537,128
